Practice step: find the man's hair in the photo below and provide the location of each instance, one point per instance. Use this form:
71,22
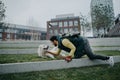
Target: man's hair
53,38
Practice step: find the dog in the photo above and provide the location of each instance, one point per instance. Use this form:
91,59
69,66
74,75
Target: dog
42,51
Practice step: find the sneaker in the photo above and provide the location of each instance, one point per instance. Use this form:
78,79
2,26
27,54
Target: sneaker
111,61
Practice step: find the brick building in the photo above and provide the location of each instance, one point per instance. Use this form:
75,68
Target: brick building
63,24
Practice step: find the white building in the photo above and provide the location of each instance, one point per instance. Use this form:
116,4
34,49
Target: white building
22,32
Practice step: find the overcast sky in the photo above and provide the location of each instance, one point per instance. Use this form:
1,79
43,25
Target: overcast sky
40,11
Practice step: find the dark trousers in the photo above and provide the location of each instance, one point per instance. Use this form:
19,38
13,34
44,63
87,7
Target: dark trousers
90,54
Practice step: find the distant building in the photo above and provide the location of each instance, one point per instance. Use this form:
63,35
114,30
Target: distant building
63,24
115,31
110,12
21,32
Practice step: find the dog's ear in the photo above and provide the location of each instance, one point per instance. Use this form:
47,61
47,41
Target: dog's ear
46,47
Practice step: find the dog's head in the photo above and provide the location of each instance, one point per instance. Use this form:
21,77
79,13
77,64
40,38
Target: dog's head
45,47
41,50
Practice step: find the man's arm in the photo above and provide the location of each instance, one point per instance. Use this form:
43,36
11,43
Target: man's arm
68,44
55,53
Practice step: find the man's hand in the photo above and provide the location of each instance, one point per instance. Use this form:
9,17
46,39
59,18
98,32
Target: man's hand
68,58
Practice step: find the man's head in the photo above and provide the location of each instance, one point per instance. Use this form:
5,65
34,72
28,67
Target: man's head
54,40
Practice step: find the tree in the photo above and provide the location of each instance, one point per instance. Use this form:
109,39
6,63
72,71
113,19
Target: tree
3,26
84,23
101,18
2,11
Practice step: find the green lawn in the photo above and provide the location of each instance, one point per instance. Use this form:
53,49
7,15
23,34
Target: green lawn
17,47
13,58
101,72
109,53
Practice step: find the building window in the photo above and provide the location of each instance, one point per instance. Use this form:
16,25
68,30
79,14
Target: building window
65,23
75,23
60,24
66,30
0,35
71,30
51,31
8,36
54,24
76,29
1,30
8,30
61,30
70,23
16,31
55,31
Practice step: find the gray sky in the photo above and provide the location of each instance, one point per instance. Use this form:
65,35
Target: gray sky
40,11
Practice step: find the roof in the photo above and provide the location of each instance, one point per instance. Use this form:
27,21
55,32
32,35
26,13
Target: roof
26,27
65,18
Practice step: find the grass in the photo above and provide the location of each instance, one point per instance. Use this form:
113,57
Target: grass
109,53
108,46
101,72
13,58
17,47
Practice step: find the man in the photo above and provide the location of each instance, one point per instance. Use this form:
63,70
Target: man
77,47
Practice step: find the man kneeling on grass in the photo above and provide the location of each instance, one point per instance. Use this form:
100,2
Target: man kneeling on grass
77,47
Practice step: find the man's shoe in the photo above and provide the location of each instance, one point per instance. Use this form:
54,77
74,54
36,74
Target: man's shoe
111,61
